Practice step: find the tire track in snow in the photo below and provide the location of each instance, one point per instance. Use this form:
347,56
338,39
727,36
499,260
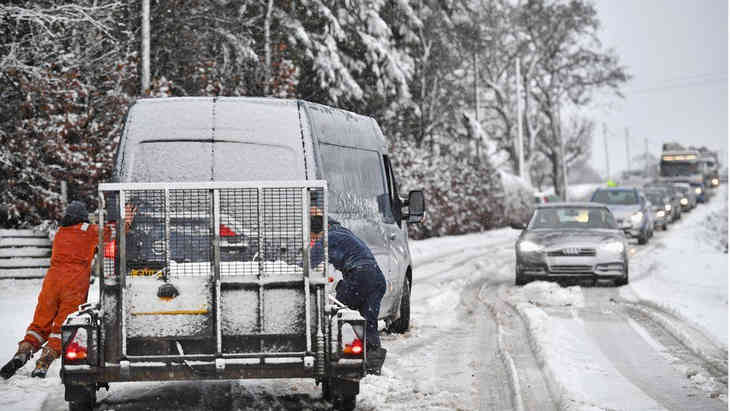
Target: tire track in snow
456,347
649,357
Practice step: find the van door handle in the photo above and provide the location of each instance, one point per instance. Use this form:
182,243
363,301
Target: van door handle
393,236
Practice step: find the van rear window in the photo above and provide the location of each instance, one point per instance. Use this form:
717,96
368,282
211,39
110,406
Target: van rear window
156,161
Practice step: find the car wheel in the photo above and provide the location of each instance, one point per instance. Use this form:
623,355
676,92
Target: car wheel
622,280
403,323
521,279
643,238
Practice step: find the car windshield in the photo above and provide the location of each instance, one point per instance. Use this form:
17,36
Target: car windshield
615,197
572,217
674,169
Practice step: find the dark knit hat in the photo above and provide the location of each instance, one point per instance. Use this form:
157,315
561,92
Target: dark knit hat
75,213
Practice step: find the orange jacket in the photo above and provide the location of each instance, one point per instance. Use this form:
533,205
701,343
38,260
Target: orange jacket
73,251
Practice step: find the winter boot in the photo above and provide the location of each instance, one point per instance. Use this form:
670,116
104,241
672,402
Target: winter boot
25,351
375,359
45,361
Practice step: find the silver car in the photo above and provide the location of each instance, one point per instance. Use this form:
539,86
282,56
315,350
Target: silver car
571,240
632,211
689,196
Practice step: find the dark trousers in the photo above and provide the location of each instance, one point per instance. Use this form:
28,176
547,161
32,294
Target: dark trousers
362,289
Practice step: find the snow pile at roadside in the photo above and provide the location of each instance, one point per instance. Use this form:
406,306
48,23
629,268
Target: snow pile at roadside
542,293
689,280
715,228
388,392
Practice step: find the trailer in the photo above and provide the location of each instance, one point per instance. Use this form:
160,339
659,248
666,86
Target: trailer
212,280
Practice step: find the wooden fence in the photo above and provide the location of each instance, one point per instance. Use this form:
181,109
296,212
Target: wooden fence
24,253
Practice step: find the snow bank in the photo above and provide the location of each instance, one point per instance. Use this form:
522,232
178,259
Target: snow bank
687,273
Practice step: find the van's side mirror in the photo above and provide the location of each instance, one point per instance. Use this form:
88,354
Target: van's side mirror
518,225
416,207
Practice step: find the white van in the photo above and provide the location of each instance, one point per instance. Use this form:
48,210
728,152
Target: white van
248,171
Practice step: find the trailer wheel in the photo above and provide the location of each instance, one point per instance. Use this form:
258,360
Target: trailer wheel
347,403
83,398
342,393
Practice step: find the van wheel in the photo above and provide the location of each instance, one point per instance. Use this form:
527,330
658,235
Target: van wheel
403,323
346,403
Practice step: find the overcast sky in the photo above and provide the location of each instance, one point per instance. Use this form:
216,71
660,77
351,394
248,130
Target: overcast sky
677,52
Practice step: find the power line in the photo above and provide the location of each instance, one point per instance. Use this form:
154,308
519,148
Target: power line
698,83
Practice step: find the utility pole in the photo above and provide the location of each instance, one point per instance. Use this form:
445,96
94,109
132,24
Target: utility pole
145,46
628,152
646,157
605,148
562,152
476,102
520,148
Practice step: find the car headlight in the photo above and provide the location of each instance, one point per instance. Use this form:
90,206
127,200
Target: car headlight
715,182
636,217
529,247
660,213
698,190
613,246
668,207
683,201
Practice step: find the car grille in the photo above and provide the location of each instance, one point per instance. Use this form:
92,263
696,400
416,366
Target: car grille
573,252
570,269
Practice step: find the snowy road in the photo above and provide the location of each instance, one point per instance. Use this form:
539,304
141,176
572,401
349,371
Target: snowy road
479,342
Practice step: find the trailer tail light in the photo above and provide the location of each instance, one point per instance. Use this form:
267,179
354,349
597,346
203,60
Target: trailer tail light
352,338
355,348
76,349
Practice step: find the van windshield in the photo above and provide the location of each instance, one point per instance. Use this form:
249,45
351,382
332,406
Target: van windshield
175,160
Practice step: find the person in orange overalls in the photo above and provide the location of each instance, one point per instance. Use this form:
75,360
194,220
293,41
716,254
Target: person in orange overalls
65,287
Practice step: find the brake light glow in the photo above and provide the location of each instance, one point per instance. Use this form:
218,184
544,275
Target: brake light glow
76,350
355,348
110,249
226,232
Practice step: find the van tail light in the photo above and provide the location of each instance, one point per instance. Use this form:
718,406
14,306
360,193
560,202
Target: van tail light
226,231
76,350
110,247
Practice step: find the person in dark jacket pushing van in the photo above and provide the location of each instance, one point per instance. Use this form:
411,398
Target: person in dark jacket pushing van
363,284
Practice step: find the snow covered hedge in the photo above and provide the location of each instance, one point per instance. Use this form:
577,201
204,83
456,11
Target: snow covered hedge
462,196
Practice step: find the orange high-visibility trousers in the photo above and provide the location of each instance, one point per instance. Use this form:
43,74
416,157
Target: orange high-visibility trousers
66,284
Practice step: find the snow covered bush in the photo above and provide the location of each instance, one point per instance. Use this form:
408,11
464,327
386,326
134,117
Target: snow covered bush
462,195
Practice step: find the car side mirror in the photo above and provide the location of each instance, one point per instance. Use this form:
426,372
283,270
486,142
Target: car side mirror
416,207
518,225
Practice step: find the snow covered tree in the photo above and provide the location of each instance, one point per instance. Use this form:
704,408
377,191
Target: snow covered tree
65,72
571,67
